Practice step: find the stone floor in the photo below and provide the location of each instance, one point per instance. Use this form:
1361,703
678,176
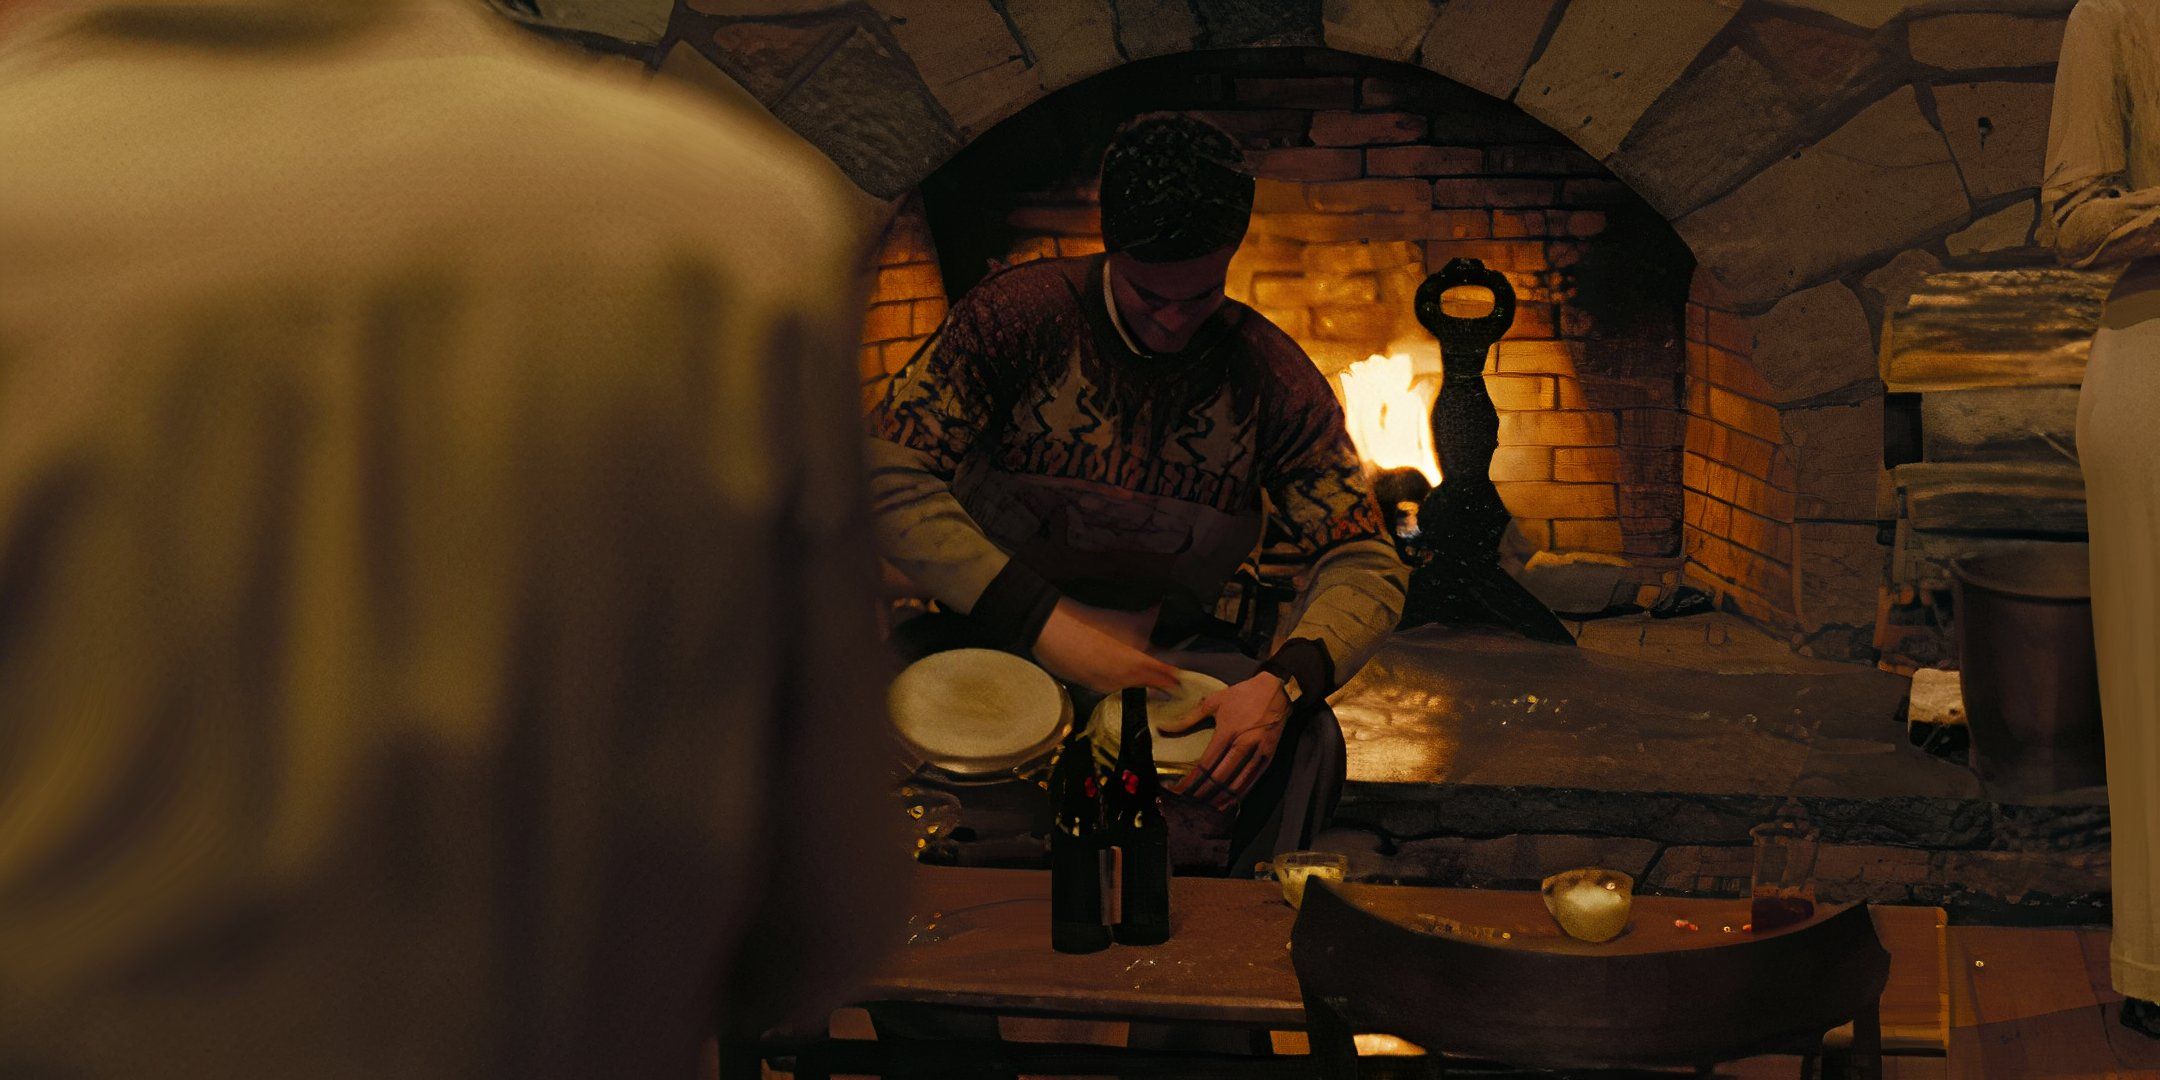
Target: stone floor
1483,759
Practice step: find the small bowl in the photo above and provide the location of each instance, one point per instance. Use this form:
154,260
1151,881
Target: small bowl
1590,904
1294,868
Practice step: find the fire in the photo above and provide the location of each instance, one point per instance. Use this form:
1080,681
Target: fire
1390,414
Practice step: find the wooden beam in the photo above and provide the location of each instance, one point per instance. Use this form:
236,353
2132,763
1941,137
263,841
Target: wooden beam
2030,326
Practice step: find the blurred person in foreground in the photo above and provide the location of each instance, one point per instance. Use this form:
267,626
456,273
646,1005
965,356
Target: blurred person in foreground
433,582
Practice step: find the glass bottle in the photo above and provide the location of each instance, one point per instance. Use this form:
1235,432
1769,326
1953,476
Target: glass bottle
1139,830
1079,916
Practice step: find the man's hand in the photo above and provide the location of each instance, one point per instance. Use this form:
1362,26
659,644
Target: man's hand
1078,653
1248,727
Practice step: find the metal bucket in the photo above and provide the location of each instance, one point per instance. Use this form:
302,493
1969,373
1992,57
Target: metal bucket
2032,686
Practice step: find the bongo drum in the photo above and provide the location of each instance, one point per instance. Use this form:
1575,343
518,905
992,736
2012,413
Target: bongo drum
1175,755
979,715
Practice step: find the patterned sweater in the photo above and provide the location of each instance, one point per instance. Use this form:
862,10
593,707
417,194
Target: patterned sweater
1028,453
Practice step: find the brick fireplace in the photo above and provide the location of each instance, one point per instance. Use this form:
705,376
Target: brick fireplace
1819,159
1373,175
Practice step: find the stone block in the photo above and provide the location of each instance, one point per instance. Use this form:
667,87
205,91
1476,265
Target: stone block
1707,135
2010,227
1424,161
1998,130
1609,59
1069,39
1233,23
1864,13
1336,128
1309,163
1155,27
1842,570
1880,183
1976,40
1838,451
1388,29
966,55
1814,342
867,110
1486,44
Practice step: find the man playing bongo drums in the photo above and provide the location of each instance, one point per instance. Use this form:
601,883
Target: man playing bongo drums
1089,449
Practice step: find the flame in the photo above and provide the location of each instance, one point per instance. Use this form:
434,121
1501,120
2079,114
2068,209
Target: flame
1390,414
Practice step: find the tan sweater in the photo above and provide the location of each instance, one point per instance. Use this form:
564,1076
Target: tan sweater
435,635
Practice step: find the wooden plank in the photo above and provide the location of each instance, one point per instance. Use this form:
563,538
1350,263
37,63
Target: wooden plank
2068,1045
2025,423
987,946
2030,326
2003,973
2000,497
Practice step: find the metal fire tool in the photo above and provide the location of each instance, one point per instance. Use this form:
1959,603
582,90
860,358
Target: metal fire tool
1462,520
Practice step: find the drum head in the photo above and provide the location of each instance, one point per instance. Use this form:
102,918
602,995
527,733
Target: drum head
974,712
1174,754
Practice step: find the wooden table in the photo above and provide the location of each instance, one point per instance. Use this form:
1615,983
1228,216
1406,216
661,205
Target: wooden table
981,941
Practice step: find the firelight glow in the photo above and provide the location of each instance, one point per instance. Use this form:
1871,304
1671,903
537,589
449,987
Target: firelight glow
1390,414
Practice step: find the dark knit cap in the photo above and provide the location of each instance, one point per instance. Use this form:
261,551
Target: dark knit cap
1174,187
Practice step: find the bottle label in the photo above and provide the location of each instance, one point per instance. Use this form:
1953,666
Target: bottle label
1113,884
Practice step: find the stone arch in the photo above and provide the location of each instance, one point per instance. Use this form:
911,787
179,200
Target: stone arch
1857,152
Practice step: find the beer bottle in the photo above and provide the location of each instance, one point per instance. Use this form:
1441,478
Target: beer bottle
1139,830
1079,918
